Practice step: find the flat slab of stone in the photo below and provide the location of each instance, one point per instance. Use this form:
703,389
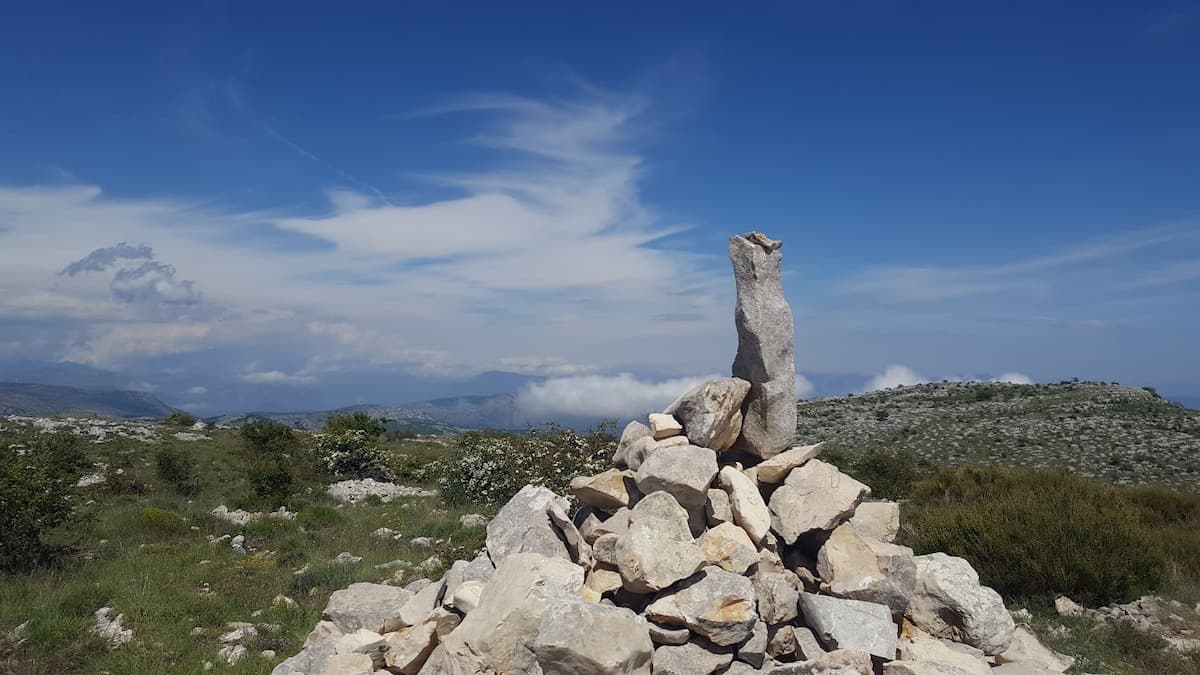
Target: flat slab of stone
578,638
862,568
375,607
607,491
684,472
664,425
688,659
850,624
714,604
775,469
750,512
878,520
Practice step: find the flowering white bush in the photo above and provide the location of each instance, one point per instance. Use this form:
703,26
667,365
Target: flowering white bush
491,467
351,454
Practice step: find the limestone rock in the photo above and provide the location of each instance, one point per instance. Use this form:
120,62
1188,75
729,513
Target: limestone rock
807,644
861,568
754,649
607,491
749,510
877,520
688,659
728,547
925,668
344,664
658,549
949,602
363,641
494,636
776,469
664,425
604,549
1022,668
850,624
714,604
633,431
603,580
837,662
420,606
375,607
661,635
711,413
717,510
587,639
410,647
765,345
919,647
454,577
777,595
1026,647
815,496
108,627
523,526
466,596
580,550
479,569
684,472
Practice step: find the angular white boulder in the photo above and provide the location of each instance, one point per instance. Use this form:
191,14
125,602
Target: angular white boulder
861,568
877,520
711,412
1025,647
775,470
729,547
375,607
815,496
683,471
578,638
949,602
633,431
663,425
714,604
607,491
523,526
658,549
750,512
689,659
850,624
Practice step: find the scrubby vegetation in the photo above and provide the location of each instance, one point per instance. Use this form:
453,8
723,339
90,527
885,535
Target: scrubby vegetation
179,419
489,467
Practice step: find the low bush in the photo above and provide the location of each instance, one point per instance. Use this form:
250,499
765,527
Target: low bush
35,499
267,438
491,467
359,421
179,419
1032,533
272,481
176,467
160,521
890,475
351,454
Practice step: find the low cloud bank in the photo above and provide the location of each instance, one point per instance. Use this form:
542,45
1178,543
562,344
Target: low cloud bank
614,396
903,376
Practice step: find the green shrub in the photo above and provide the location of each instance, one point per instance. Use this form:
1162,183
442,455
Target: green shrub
889,475
267,438
359,421
160,521
35,499
272,481
1032,533
491,467
176,466
179,419
351,454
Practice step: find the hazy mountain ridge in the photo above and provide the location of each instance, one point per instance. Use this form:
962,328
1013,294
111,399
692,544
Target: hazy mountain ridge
21,398
1122,434
438,416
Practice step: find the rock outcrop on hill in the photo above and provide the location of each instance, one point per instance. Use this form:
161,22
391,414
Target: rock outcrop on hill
687,559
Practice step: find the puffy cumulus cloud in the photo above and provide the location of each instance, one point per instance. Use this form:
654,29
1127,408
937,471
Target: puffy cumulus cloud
615,396
110,344
138,278
894,376
277,377
198,391
804,386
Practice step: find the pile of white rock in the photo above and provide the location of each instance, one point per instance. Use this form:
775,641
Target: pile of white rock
709,548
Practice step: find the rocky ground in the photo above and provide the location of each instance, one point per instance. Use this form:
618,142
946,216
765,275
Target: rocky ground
1124,435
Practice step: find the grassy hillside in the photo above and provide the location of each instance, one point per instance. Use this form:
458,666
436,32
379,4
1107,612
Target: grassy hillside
19,398
1123,435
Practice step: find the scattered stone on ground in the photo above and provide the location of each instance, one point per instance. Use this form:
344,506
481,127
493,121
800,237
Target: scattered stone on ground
354,491
108,626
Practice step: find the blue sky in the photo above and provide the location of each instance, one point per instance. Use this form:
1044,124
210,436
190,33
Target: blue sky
416,193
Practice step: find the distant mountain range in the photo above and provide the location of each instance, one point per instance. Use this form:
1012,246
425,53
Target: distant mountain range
443,415
19,398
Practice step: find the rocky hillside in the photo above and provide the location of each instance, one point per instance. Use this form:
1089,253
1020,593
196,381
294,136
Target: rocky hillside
1121,434
19,398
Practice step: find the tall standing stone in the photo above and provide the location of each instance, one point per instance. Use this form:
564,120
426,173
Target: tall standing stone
765,346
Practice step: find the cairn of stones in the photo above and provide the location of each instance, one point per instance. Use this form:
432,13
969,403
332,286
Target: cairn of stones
712,546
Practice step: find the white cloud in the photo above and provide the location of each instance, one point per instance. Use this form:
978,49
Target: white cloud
894,376
277,377
1013,378
198,391
803,386
614,396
